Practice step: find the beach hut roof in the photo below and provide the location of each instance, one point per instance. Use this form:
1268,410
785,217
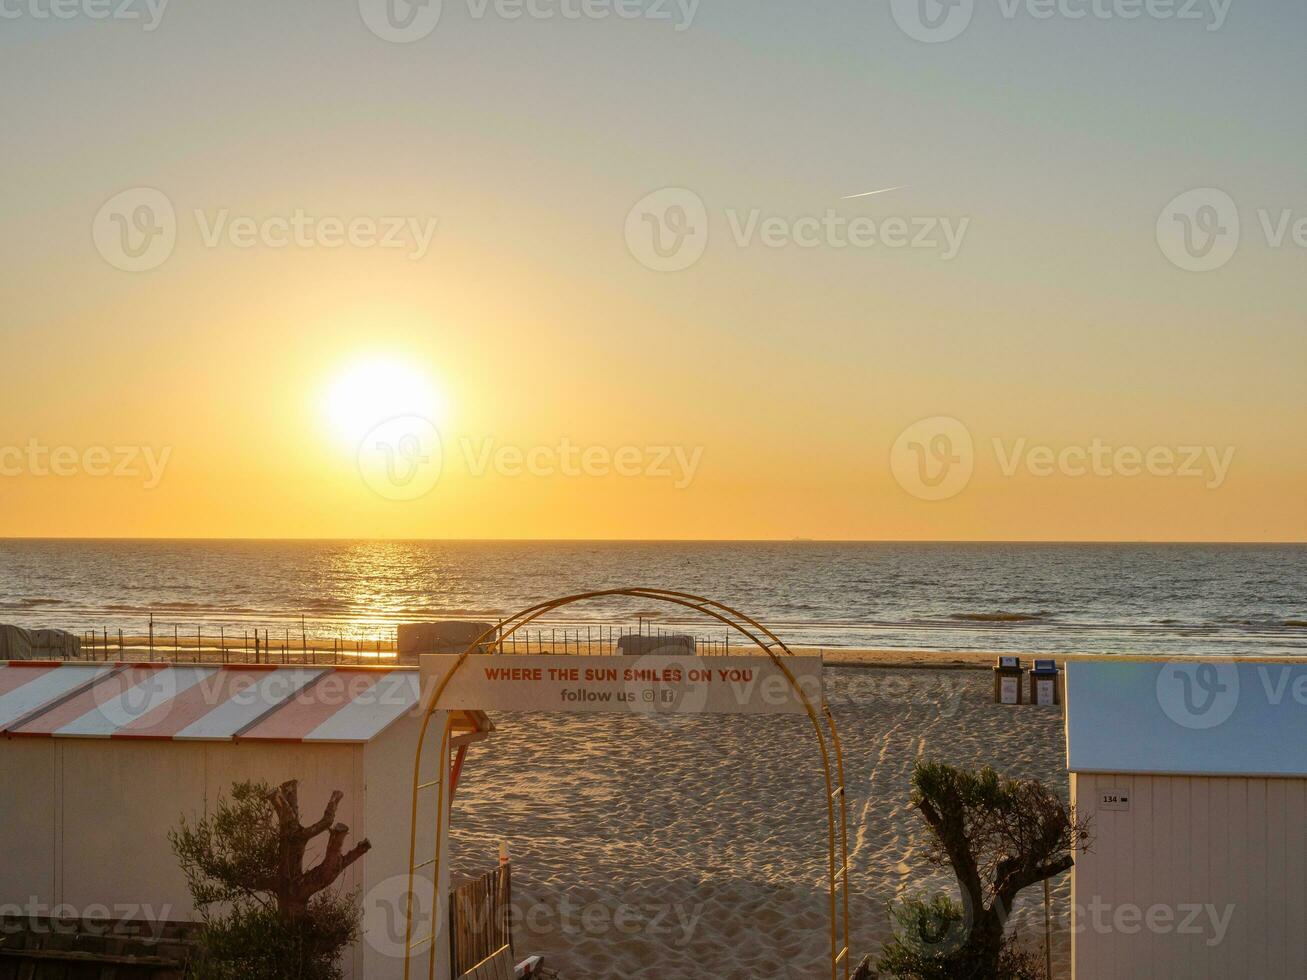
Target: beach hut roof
206,702
1190,718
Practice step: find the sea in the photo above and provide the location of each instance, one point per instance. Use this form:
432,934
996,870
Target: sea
1228,600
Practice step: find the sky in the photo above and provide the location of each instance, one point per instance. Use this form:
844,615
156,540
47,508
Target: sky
595,269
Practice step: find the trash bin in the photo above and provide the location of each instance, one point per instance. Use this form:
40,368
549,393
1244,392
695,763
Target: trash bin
1007,681
1046,684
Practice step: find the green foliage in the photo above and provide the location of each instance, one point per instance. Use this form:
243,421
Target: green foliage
234,862
929,943
254,943
228,857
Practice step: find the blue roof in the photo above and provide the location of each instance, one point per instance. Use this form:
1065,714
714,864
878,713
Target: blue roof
1187,718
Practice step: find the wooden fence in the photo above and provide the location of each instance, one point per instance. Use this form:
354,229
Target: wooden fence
480,919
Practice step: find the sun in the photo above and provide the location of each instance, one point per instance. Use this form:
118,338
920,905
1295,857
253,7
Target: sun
374,390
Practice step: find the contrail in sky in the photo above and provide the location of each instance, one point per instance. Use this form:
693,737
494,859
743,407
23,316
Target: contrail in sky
883,190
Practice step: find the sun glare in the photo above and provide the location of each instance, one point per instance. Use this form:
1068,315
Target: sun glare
369,392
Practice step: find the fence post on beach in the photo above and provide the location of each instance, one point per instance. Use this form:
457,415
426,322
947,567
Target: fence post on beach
222,642
1048,935
151,637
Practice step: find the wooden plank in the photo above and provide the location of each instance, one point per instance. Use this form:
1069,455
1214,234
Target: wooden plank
1199,876
1280,931
497,966
1295,873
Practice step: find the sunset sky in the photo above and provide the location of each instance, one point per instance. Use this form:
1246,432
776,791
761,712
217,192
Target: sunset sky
759,392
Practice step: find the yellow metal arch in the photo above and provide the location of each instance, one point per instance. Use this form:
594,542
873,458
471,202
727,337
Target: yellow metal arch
736,620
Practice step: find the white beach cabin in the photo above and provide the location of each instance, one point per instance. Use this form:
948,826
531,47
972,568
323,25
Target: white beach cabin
99,761
1194,779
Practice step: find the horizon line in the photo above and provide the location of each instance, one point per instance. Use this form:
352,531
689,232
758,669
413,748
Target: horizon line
793,540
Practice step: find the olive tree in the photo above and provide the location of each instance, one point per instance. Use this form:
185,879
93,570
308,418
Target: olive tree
265,915
999,836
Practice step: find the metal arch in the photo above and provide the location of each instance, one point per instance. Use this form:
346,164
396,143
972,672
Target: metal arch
709,607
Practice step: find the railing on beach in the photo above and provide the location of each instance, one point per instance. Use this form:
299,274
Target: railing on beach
300,644
175,643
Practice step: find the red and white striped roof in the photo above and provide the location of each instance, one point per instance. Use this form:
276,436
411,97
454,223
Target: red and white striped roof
257,703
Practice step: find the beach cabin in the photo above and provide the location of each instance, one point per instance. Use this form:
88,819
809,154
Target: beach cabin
99,761
1193,777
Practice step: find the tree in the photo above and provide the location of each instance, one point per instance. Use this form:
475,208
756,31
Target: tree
266,915
999,836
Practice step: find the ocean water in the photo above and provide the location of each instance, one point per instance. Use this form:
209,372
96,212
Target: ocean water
1126,598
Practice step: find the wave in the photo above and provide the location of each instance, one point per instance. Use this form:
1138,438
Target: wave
451,613
999,617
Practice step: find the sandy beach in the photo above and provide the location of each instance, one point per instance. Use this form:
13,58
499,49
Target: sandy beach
693,847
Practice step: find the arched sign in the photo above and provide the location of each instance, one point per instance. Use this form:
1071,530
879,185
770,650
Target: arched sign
775,682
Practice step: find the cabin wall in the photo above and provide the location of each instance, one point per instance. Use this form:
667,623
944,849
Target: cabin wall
29,823
388,765
85,821
1202,877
